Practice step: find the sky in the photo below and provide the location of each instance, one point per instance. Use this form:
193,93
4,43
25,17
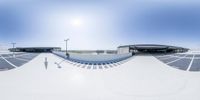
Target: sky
99,24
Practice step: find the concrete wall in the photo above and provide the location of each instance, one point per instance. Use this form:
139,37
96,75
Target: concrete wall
122,50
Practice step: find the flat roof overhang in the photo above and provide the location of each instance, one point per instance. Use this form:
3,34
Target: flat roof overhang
153,47
37,47
34,49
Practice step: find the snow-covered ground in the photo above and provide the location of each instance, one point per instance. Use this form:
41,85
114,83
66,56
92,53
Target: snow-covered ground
141,78
5,52
193,51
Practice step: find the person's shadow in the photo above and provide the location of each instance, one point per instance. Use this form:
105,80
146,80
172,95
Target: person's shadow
46,63
58,64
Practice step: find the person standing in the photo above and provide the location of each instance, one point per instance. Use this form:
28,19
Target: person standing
67,55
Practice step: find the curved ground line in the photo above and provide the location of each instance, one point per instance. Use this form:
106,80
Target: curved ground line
22,59
87,65
176,60
8,62
190,65
87,61
17,55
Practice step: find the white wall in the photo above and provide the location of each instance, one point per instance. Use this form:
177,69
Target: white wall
123,50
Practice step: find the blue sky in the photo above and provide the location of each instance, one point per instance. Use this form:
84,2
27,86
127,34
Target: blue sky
95,24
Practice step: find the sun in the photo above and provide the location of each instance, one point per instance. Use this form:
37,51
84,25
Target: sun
77,22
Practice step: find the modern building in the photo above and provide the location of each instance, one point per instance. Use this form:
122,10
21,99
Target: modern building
35,49
94,52
150,48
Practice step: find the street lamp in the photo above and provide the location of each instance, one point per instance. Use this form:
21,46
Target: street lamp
13,49
66,45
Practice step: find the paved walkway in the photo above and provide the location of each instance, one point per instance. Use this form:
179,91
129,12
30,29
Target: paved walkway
141,78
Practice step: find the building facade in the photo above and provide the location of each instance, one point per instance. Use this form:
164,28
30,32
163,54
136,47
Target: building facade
150,48
35,49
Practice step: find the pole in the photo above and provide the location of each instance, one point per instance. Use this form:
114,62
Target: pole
66,45
13,49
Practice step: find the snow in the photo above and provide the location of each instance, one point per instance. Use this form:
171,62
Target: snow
141,78
197,51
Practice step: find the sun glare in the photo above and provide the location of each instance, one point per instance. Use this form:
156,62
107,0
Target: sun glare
77,22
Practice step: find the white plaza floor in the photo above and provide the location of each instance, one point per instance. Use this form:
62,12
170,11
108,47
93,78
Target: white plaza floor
141,78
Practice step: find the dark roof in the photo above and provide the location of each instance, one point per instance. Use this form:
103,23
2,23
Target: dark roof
38,47
152,46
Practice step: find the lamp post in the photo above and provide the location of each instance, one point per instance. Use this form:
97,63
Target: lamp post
66,45
13,44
